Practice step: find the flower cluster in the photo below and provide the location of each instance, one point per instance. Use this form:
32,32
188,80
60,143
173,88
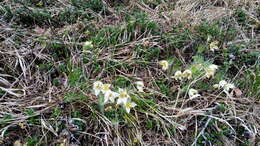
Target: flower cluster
140,86
214,46
193,93
164,64
180,75
123,98
86,46
211,70
224,85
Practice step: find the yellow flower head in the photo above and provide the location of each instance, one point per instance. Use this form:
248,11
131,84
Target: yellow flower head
106,87
187,74
225,85
22,125
178,75
140,86
211,70
87,45
97,87
129,105
164,64
213,46
213,67
122,97
110,96
228,86
193,93
210,73
123,93
222,83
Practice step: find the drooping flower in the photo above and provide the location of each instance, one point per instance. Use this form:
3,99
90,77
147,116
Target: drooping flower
187,74
164,64
213,46
211,70
225,85
140,86
87,45
222,83
110,96
128,105
97,87
216,86
193,93
122,97
105,88
228,86
178,75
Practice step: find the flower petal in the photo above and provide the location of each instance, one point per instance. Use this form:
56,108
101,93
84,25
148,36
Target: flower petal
97,92
133,104
164,64
127,109
106,98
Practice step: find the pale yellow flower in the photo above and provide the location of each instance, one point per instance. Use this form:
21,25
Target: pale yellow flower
122,97
228,86
97,87
164,64
110,96
128,105
210,73
22,125
193,93
225,85
140,86
216,86
87,45
178,75
213,67
105,88
213,46
211,70
222,83
187,74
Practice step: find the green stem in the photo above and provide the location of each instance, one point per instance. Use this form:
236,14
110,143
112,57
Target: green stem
101,104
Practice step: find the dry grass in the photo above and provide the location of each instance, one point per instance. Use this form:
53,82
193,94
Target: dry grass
33,55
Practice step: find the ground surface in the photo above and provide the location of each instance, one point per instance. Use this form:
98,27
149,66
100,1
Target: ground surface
47,74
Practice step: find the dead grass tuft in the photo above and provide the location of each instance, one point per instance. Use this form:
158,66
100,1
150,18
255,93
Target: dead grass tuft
38,60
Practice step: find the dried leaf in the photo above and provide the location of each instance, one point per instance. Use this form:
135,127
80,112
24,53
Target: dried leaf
146,43
237,92
22,125
64,143
18,143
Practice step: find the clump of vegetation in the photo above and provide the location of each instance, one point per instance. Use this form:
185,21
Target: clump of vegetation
144,72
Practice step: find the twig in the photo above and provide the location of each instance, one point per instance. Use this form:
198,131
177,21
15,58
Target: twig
201,132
